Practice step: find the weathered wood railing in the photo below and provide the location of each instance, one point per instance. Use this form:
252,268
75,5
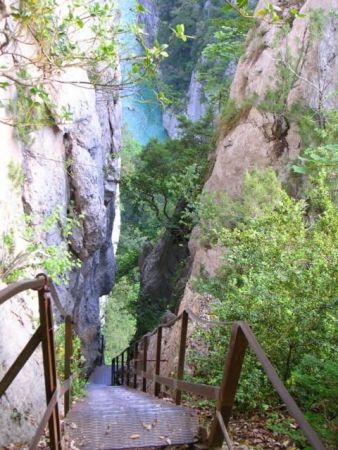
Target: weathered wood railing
44,335
241,338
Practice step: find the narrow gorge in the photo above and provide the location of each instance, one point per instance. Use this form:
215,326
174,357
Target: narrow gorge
160,157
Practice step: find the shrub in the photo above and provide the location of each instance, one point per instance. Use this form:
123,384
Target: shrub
279,274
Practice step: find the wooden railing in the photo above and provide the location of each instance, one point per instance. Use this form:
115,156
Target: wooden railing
241,338
44,335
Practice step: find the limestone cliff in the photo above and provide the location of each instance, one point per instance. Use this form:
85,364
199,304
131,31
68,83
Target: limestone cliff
195,107
70,166
150,20
258,138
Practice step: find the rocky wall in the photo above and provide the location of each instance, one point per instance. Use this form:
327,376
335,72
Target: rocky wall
263,139
72,166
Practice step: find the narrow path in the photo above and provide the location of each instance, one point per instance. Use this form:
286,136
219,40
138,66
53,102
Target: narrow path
118,417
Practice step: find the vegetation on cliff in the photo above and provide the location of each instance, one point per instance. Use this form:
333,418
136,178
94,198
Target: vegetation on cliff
279,271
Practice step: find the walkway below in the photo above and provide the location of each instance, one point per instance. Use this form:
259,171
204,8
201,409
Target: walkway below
118,417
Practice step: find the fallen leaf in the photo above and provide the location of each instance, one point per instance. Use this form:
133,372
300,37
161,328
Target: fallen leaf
73,425
147,426
168,441
134,436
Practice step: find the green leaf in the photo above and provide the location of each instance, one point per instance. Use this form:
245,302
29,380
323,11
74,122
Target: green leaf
140,8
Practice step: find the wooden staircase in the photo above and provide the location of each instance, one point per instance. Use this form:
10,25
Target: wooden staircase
114,414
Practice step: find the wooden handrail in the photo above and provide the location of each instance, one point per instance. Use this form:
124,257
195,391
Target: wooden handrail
20,361
45,335
21,286
242,337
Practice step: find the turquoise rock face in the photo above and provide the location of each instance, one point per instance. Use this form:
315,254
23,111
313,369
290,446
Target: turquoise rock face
141,111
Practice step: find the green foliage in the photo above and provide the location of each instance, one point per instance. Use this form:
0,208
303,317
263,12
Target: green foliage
119,323
319,135
130,149
177,68
15,174
232,114
225,46
315,385
168,172
312,158
78,34
12,263
214,211
155,180
79,381
133,238
216,39
269,12
31,109
57,260
279,274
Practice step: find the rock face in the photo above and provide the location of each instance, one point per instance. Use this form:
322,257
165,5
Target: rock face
264,139
195,99
71,167
196,107
150,19
164,270
171,122
22,405
76,167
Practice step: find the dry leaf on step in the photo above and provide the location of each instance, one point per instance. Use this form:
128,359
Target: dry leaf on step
134,436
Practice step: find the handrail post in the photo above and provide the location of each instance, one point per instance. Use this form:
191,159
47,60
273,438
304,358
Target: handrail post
231,375
181,356
68,358
113,372
122,368
157,387
128,366
145,352
102,349
135,365
117,371
49,363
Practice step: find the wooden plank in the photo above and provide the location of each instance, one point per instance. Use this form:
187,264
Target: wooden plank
20,361
48,352
231,374
56,300
135,365
66,385
145,351
20,286
277,383
203,390
224,430
157,386
68,359
45,418
128,367
122,368
181,356
113,372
